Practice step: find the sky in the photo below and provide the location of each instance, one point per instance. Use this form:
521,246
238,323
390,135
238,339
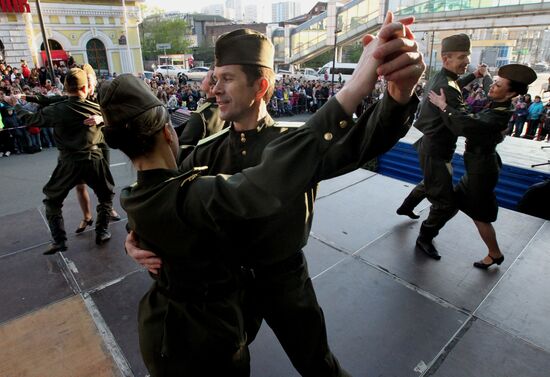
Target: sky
191,6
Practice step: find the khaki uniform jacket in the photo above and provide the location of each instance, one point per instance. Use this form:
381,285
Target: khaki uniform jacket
188,219
438,139
203,122
193,307
74,140
483,131
274,239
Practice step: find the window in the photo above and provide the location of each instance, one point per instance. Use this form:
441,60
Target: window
53,44
97,56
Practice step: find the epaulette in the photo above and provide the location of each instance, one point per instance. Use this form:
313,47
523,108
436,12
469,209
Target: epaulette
285,126
452,83
189,175
213,136
203,107
502,108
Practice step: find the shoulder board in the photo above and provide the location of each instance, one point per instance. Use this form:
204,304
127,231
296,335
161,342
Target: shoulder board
453,84
189,175
213,136
285,126
203,107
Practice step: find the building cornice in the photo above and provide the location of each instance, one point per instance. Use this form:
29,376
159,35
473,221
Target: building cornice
78,10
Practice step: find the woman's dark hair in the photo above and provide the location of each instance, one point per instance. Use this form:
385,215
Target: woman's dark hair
254,72
137,137
518,87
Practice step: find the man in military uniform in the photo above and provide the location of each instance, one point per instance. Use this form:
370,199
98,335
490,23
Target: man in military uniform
279,288
204,121
95,120
80,158
437,145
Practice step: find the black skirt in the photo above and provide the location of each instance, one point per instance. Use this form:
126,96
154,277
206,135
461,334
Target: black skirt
476,190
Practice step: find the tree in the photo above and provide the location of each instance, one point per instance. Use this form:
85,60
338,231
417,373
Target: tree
154,29
353,52
204,53
147,10
320,60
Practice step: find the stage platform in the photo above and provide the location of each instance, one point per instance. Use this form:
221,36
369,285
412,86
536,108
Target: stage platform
390,310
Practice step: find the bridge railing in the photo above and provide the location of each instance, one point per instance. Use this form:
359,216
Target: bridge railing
438,6
354,16
349,17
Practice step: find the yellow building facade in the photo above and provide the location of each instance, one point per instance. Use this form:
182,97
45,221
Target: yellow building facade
102,33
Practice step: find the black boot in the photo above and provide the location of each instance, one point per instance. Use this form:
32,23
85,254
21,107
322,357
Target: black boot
55,247
102,234
57,229
407,212
425,245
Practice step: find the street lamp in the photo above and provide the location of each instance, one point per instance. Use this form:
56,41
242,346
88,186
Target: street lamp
432,37
46,41
334,58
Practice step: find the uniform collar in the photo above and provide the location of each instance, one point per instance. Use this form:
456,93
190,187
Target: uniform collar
505,104
155,176
267,121
76,99
452,75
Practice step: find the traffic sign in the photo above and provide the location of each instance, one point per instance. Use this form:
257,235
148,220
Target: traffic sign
164,46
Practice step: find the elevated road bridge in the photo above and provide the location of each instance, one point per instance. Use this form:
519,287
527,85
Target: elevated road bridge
338,27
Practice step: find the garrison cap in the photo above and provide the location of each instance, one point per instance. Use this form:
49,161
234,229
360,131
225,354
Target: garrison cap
76,78
244,46
457,42
518,72
89,70
124,98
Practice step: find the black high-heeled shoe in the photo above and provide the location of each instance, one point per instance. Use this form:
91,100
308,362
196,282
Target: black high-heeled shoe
83,225
484,266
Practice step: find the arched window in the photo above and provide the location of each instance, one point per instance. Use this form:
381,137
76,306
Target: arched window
54,45
97,56
2,52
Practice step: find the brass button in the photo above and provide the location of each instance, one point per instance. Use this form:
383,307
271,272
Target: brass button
343,124
328,136
243,153
243,139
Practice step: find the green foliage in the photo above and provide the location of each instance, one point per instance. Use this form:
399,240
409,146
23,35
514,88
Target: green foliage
155,30
319,60
147,10
205,54
353,52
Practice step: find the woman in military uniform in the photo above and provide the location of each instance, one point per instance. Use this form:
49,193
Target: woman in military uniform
484,130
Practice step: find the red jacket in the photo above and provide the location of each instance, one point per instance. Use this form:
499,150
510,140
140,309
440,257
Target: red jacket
26,71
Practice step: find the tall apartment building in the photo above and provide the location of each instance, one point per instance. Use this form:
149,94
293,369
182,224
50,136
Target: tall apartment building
285,10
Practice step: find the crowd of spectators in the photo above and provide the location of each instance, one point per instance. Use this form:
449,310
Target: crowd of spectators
176,93
291,95
531,118
294,95
16,137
